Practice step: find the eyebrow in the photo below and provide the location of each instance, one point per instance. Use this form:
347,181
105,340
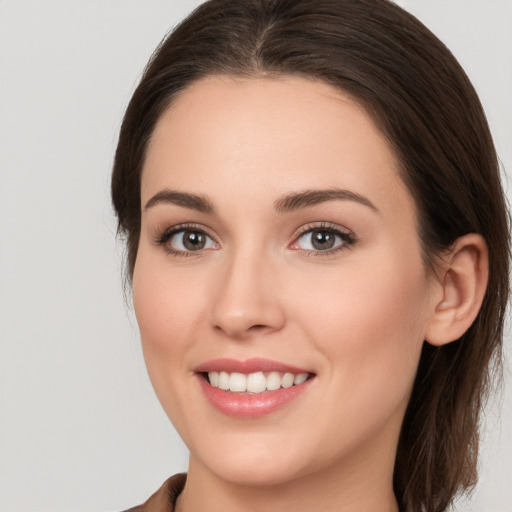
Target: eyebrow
288,203
306,198
185,199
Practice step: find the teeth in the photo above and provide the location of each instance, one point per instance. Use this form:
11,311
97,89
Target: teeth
255,382
273,381
237,382
224,381
287,381
214,379
299,379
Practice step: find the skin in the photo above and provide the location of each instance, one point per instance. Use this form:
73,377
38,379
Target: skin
356,317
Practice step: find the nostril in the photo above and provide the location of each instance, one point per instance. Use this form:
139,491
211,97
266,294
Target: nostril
241,331
244,318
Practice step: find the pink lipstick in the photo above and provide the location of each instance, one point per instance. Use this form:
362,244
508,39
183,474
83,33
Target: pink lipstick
251,388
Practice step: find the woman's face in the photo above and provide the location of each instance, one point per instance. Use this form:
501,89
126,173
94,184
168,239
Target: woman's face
278,238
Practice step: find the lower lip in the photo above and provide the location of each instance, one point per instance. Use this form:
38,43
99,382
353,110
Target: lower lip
242,405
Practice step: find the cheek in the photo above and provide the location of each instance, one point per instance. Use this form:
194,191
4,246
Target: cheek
165,307
371,326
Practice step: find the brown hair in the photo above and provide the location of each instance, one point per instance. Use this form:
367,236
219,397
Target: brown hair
426,107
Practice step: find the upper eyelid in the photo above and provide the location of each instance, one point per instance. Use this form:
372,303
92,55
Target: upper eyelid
327,226
190,226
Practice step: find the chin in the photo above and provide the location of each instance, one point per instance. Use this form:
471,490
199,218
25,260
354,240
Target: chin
252,474
253,462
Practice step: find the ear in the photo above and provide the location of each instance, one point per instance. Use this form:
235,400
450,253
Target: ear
463,278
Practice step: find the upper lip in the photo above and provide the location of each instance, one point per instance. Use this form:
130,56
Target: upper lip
247,366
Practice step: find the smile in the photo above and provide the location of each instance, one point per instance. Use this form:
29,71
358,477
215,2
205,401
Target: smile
251,388
255,383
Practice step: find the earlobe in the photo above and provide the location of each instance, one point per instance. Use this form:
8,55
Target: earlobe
464,277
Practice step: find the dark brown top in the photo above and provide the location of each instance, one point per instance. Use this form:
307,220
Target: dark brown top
165,498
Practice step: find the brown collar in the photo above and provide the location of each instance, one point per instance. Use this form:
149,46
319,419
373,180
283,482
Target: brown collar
165,498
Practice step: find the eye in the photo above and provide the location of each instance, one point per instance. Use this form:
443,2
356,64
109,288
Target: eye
187,240
319,240
323,239
182,240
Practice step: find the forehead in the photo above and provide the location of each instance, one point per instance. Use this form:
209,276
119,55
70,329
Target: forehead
274,134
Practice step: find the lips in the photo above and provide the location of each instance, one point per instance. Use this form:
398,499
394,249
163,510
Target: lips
251,388
248,366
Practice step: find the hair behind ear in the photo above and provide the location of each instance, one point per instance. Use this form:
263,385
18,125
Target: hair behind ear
460,357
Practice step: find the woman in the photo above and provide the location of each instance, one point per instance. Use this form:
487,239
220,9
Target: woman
317,242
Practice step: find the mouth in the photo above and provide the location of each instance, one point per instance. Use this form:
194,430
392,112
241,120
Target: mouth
251,388
256,382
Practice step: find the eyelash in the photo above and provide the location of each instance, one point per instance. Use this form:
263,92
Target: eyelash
347,237
167,235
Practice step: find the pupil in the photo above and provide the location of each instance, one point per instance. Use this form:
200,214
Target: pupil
194,241
322,240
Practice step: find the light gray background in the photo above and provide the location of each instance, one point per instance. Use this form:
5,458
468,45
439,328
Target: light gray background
80,427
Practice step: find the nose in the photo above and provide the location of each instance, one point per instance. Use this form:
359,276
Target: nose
247,301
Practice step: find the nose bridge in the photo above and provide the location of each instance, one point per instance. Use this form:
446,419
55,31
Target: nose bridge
247,299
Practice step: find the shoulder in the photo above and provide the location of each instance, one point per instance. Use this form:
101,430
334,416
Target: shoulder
164,499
